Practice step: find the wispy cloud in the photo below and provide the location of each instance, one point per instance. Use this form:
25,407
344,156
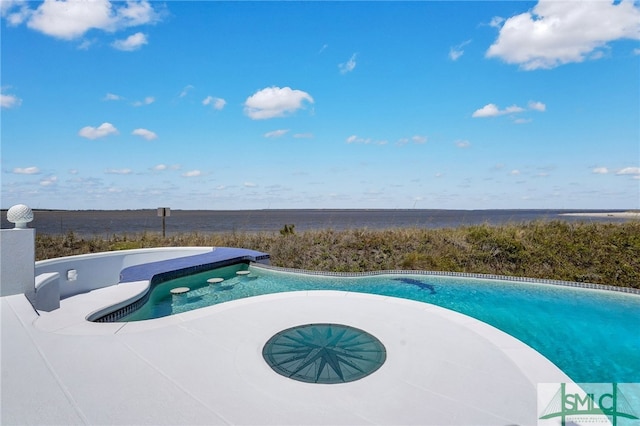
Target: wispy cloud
456,52
112,97
216,103
303,135
348,66
118,171
146,101
355,139
49,181
185,91
275,102
33,170
415,139
600,170
463,144
9,101
537,106
629,171
192,173
105,129
276,133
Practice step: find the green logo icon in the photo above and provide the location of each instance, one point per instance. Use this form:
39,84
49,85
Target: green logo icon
589,403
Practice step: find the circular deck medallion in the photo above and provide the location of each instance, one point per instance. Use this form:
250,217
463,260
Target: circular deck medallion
324,353
215,280
179,290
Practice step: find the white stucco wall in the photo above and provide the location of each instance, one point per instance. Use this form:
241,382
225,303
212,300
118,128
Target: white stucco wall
97,270
17,257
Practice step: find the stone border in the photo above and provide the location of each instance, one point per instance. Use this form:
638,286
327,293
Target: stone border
592,286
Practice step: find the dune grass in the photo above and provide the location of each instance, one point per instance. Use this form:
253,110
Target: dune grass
601,253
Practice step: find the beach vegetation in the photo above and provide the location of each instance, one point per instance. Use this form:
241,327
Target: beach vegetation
602,253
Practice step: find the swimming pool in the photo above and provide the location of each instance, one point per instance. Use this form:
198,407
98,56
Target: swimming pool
592,335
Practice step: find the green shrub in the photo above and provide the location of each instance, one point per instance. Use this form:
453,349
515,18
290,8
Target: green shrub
585,252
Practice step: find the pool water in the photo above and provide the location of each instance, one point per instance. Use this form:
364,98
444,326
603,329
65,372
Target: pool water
592,335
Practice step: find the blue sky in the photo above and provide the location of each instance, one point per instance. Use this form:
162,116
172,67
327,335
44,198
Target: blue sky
254,105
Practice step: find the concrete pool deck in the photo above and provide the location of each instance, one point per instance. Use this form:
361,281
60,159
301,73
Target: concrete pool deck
206,366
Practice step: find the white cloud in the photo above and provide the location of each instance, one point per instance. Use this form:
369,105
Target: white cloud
354,139
9,101
515,172
629,171
26,170
250,185
416,139
136,13
456,51
160,167
131,43
275,102
489,110
49,181
276,133
419,139
600,170
105,129
146,134
348,66
147,101
70,19
537,106
554,32
118,171
112,97
192,173
217,103
492,110
463,144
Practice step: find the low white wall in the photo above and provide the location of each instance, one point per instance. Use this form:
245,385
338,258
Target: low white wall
99,270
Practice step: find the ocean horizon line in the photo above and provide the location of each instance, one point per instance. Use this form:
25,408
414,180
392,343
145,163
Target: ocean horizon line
329,209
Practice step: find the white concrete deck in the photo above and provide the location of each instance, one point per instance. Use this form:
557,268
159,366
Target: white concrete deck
205,367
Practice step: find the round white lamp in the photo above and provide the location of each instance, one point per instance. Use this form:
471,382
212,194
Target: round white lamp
20,214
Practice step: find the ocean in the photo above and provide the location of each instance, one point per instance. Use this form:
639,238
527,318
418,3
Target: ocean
108,222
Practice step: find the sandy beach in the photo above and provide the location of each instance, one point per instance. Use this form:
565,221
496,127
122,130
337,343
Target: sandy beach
620,215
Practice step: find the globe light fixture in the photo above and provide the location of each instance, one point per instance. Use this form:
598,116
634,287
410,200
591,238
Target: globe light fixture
20,215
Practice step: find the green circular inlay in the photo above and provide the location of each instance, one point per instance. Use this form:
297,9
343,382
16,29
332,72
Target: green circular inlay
324,353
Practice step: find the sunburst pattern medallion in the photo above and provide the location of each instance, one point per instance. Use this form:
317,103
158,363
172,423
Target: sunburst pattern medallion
324,353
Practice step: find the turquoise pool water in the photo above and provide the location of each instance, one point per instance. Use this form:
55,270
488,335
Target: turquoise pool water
592,335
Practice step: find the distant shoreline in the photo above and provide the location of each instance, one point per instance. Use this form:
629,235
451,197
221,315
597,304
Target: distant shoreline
620,215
